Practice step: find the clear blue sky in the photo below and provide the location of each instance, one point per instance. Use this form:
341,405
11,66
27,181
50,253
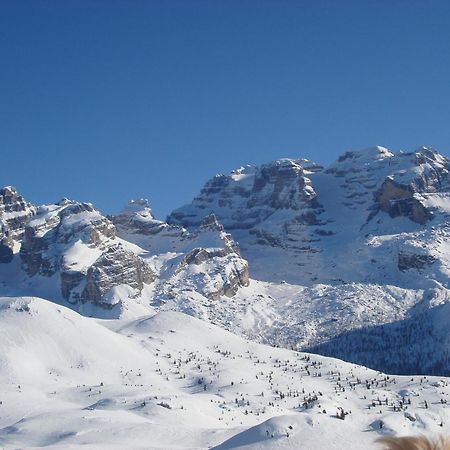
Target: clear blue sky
108,100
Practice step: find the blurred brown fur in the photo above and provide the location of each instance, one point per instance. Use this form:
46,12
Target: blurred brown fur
414,443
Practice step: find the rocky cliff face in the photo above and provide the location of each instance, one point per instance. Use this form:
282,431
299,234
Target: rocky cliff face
137,218
203,263
275,205
15,213
250,195
312,220
78,245
56,229
219,270
117,266
400,193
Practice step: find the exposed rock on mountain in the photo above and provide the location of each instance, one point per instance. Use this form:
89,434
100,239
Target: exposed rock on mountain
115,267
209,273
414,261
195,266
57,231
229,271
72,251
310,219
249,195
76,242
428,173
369,232
136,224
15,212
137,218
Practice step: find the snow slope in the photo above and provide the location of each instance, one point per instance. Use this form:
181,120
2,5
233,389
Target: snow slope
170,381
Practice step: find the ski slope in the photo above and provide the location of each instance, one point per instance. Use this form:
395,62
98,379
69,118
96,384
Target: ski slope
171,381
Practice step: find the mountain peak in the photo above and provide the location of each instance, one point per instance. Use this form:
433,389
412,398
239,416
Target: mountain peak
210,222
139,207
15,212
10,197
8,190
367,154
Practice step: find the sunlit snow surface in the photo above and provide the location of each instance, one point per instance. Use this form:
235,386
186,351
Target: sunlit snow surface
172,381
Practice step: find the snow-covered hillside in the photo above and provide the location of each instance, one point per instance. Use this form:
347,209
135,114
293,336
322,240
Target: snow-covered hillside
170,381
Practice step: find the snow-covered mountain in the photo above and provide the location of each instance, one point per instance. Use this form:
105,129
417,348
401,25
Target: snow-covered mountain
355,246
350,260
110,267
372,216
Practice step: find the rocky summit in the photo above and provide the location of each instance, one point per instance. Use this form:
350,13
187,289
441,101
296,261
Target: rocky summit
116,266
350,260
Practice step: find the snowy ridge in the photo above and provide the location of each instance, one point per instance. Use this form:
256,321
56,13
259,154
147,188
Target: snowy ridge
71,253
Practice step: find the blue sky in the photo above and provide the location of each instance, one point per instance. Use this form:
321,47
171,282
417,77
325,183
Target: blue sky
108,100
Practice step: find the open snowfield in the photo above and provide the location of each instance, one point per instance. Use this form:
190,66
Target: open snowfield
170,381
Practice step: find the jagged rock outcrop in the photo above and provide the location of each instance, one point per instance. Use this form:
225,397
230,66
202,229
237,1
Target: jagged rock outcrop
204,275
274,205
282,185
78,243
225,261
204,261
250,195
428,173
407,261
73,244
115,267
55,229
136,224
137,218
208,265
400,200
210,224
15,213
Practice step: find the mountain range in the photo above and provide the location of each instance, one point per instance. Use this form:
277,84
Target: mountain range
350,261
